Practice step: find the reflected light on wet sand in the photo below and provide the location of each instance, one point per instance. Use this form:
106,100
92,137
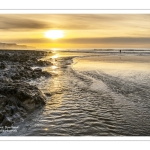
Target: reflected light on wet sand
46,129
54,67
56,98
54,49
55,56
55,89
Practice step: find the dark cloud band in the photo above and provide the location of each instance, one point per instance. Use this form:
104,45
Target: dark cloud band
109,40
10,23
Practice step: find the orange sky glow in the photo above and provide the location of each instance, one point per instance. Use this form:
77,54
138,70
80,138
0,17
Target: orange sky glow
79,30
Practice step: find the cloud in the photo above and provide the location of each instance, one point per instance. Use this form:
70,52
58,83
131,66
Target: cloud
34,22
10,23
100,21
107,40
110,40
72,21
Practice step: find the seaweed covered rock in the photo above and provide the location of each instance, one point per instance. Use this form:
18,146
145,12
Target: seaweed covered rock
29,96
22,72
17,97
23,92
17,100
43,63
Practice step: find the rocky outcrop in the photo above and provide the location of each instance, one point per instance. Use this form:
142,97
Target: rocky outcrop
17,97
24,72
43,63
17,100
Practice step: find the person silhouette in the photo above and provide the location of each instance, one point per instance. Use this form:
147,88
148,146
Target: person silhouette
120,51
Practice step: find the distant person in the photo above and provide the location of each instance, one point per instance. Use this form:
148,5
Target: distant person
120,51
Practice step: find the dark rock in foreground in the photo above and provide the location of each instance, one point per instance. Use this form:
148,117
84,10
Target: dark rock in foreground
17,100
17,97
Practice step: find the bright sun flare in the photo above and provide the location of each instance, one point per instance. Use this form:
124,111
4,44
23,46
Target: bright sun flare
54,34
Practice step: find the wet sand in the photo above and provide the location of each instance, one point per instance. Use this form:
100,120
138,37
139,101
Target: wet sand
94,95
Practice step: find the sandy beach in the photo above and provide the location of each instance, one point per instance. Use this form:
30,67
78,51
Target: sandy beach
85,94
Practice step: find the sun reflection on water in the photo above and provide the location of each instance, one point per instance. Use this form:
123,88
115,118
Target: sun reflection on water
54,67
55,56
56,86
46,129
56,99
54,49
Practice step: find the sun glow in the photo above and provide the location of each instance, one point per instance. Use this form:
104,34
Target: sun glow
54,34
55,56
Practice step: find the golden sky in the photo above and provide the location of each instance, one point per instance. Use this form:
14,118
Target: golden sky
80,30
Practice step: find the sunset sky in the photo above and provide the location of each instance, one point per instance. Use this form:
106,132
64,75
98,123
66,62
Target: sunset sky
80,30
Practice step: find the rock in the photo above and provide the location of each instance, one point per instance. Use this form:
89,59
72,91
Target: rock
13,70
43,63
17,97
48,94
16,77
7,122
3,101
1,117
46,74
40,63
27,96
5,79
16,117
13,109
8,110
3,65
23,94
29,104
22,68
38,70
30,97
23,114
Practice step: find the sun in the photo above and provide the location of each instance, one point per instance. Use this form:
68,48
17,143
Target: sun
54,34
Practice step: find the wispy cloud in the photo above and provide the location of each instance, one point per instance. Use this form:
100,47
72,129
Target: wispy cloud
73,21
10,23
107,40
110,40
